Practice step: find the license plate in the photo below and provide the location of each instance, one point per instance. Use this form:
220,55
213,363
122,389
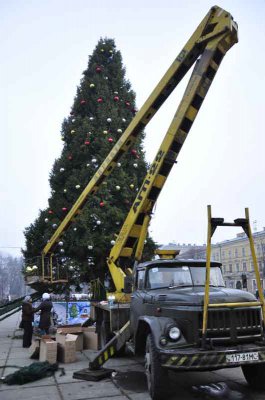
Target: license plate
241,357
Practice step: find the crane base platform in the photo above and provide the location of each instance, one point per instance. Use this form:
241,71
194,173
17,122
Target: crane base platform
93,375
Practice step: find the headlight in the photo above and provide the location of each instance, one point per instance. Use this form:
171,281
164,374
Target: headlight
174,333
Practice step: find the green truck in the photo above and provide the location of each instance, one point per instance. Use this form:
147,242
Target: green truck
166,318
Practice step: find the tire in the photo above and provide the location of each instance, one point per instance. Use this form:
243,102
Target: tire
255,375
157,377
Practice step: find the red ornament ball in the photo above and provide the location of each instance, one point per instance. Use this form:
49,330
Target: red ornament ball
134,152
116,98
98,70
110,139
83,102
102,204
87,142
127,103
99,100
50,212
70,157
64,209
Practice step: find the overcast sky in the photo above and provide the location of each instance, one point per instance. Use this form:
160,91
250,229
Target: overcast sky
44,49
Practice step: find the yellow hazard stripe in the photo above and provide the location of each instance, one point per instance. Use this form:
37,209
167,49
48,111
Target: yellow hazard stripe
172,360
194,358
182,360
106,356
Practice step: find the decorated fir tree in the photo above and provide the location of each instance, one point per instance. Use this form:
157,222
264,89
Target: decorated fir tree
103,107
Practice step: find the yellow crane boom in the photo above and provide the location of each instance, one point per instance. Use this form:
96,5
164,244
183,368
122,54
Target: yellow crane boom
214,36
216,24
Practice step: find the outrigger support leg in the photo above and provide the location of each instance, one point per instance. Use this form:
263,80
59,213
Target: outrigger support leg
213,223
95,371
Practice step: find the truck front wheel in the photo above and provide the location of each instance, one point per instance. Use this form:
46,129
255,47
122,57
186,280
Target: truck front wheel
157,377
255,375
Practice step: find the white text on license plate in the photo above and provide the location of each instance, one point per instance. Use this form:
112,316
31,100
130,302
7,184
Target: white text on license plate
241,357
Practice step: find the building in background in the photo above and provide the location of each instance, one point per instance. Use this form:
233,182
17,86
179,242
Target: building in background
235,256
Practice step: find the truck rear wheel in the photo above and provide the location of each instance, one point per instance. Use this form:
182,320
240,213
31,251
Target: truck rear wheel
255,375
157,377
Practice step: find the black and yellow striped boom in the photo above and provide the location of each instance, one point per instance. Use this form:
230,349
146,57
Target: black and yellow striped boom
217,37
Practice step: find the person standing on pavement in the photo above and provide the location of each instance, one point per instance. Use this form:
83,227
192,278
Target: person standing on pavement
45,313
27,319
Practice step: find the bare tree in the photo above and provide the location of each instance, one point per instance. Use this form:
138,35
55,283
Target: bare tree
11,278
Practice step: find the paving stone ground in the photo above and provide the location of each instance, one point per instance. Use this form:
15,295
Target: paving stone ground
128,382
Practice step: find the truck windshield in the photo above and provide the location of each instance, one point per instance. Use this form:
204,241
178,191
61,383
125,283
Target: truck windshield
198,276
177,276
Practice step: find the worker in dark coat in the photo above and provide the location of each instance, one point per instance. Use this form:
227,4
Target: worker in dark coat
27,319
45,313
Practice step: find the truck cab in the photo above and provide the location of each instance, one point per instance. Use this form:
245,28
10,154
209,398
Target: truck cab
166,322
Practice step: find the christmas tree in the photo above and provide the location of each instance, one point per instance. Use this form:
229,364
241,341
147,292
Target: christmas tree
103,107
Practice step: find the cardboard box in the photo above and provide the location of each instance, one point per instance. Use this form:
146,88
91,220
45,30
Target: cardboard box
34,350
79,344
66,347
90,338
76,330
48,351
69,328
